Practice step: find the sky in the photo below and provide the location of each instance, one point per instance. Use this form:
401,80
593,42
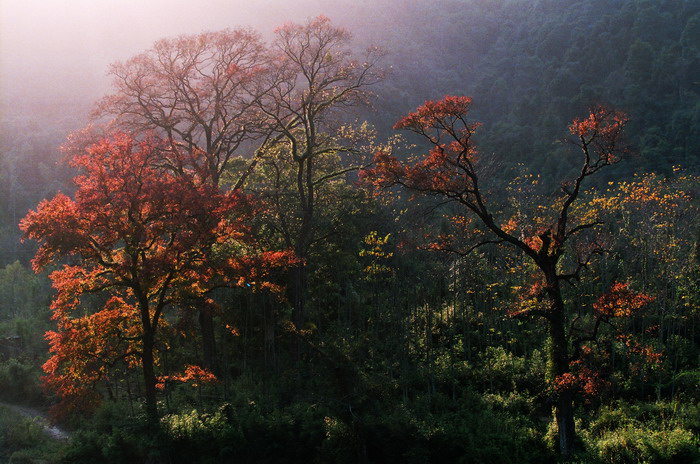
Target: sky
53,51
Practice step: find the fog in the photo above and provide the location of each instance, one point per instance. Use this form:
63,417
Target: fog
54,54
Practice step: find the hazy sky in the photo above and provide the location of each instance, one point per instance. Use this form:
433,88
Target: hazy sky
53,50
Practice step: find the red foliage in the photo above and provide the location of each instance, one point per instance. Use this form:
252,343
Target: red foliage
147,236
195,374
601,130
583,379
431,113
82,349
448,168
621,301
584,376
641,354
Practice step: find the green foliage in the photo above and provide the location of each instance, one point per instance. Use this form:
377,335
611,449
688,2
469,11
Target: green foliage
22,293
204,437
634,444
119,446
468,431
19,382
112,435
243,432
507,372
430,429
649,433
532,66
23,440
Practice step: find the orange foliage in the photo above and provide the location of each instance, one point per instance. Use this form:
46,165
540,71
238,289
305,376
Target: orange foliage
645,354
621,301
428,114
601,130
145,236
448,166
583,377
195,374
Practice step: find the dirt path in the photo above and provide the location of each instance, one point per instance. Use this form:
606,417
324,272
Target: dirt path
40,418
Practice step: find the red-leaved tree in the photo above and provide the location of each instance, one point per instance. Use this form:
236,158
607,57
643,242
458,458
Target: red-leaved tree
145,238
452,170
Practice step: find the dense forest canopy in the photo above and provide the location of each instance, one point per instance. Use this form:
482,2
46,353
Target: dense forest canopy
453,231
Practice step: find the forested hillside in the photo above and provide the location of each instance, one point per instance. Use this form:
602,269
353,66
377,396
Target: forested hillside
452,231
531,66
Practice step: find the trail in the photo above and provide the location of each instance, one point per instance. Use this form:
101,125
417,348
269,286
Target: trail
40,417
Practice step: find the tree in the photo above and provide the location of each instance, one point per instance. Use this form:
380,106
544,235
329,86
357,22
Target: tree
214,94
557,242
316,76
198,92
147,240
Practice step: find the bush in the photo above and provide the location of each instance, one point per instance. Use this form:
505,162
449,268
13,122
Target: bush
23,440
656,433
470,430
19,382
638,444
200,437
244,433
113,435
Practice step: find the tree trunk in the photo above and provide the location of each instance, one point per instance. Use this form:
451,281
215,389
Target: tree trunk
147,361
565,422
304,238
559,358
149,378
206,325
298,294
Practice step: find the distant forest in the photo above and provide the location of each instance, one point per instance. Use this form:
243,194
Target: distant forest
510,277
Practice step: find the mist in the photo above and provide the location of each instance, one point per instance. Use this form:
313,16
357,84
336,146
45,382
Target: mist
54,54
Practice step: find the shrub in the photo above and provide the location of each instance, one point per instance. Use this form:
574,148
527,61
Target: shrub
655,433
23,440
639,444
19,382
